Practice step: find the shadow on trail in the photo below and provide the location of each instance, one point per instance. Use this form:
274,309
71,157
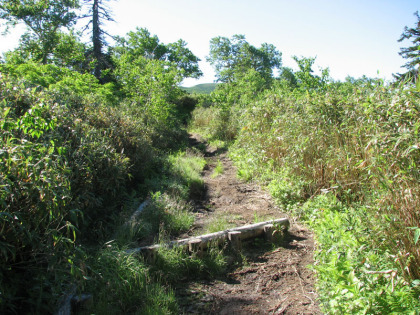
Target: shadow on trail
204,147
198,296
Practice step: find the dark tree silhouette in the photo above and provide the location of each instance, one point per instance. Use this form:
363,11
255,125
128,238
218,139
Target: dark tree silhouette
98,13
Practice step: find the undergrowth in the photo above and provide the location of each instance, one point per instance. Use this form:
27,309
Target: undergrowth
77,157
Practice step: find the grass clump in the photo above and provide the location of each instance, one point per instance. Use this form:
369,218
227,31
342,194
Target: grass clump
174,265
218,223
218,170
123,284
187,168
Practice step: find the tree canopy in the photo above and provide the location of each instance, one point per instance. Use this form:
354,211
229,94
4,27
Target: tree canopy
44,19
234,57
142,43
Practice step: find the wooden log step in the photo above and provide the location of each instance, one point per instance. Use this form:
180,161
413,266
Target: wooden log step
200,243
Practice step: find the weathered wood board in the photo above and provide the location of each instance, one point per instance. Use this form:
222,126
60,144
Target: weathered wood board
234,235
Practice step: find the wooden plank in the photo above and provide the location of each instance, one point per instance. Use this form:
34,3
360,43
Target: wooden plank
247,232
235,240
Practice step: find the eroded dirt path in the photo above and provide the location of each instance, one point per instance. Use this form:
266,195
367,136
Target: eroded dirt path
269,281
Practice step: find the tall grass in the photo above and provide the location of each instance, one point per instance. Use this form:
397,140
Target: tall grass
361,147
122,283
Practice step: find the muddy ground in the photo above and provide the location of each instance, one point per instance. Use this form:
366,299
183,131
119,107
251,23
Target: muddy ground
268,281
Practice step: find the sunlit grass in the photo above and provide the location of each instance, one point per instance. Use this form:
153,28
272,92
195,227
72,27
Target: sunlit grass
218,170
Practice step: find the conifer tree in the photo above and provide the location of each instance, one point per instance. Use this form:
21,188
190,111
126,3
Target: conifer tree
412,53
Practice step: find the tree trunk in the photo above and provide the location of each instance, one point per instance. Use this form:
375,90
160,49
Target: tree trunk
96,39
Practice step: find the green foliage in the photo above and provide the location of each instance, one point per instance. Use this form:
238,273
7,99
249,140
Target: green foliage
350,149
75,151
152,86
122,284
174,265
70,163
218,170
43,19
35,219
169,211
219,223
353,275
167,214
305,79
72,85
188,167
221,119
233,57
141,44
69,53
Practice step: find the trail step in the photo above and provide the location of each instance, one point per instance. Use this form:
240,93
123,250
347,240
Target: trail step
270,229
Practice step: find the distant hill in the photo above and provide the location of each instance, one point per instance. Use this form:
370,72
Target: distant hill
205,88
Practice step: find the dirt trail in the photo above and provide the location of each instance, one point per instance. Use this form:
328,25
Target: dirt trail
271,281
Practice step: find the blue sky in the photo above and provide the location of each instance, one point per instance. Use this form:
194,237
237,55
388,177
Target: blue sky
353,38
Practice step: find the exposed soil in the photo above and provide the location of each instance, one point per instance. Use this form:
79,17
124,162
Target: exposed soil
268,281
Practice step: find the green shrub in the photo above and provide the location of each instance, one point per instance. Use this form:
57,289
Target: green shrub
70,160
37,232
354,276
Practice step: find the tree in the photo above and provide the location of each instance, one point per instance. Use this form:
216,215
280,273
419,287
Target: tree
412,53
288,78
184,59
67,52
305,77
233,57
98,13
70,52
142,44
44,19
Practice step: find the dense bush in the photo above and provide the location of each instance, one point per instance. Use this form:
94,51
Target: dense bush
70,160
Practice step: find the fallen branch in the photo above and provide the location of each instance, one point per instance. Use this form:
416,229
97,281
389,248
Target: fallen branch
381,272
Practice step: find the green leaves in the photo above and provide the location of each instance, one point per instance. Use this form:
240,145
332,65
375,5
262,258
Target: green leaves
43,18
233,57
140,44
